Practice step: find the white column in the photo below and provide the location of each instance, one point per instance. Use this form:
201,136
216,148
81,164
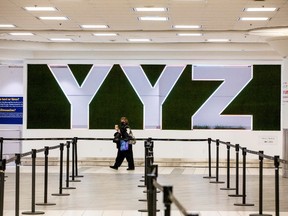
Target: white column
281,46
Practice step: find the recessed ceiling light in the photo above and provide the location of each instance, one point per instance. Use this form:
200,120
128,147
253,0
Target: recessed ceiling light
61,39
40,8
94,26
187,26
7,26
190,34
150,9
139,40
218,40
105,34
53,18
21,33
254,18
261,9
151,18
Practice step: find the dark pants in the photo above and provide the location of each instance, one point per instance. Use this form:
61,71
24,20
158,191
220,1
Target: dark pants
121,155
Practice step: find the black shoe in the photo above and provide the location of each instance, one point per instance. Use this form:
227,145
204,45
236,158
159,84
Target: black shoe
113,167
131,169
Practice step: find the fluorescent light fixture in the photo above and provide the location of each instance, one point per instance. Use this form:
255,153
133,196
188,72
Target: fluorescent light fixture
254,18
7,26
151,9
261,9
139,40
189,34
61,39
218,40
187,26
36,8
94,26
21,33
153,18
105,34
53,18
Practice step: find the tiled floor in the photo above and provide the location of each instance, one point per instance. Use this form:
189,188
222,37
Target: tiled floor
106,192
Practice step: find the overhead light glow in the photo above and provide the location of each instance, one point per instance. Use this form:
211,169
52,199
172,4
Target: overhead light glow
187,26
190,34
105,34
40,8
139,40
151,9
254,18
261,9
150,18
270,32
53,18
21,33
218,40
7,26
61,39
94,26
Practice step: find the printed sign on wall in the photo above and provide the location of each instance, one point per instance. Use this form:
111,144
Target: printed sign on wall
11,110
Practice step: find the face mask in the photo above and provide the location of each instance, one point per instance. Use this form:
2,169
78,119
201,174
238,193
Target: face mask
122,123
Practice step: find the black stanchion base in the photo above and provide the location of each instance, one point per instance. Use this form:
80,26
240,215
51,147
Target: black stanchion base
243,204
33,213
60,194
235,195
74,180
67,188
227,188
142,180
217,182
142,200
78,176
45,204
144,210
209,177
260,214
141,185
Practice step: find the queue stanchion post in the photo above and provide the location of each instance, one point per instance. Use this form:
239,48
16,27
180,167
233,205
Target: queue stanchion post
45,203
146,143
2,185
167,190
67,166
277,191
209,160
244,153
260,213
228,169
33,211
74,140
237,148
151,192
61,174
1,148
76,158
17,183
217,164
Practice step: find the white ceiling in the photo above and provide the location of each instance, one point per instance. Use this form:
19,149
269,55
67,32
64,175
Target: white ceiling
218,19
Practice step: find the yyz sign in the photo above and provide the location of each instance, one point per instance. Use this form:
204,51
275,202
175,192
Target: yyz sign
234,78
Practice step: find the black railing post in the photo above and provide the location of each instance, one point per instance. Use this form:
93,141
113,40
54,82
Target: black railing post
209,160
17,184
244,153
75,139
277,192
61,173
33,212
260,187
167,190
2,186
74,161
237,148
228,169
151,192
46,153
1,148
67,166
217,164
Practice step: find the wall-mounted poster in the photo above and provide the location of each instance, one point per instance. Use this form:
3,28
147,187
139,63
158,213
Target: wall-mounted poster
11,110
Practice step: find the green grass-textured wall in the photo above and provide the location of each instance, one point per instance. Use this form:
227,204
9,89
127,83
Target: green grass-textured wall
49,108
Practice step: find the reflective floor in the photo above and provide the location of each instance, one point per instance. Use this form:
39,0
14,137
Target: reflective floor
103,191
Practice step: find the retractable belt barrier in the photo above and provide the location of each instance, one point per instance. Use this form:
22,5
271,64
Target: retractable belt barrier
150,175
